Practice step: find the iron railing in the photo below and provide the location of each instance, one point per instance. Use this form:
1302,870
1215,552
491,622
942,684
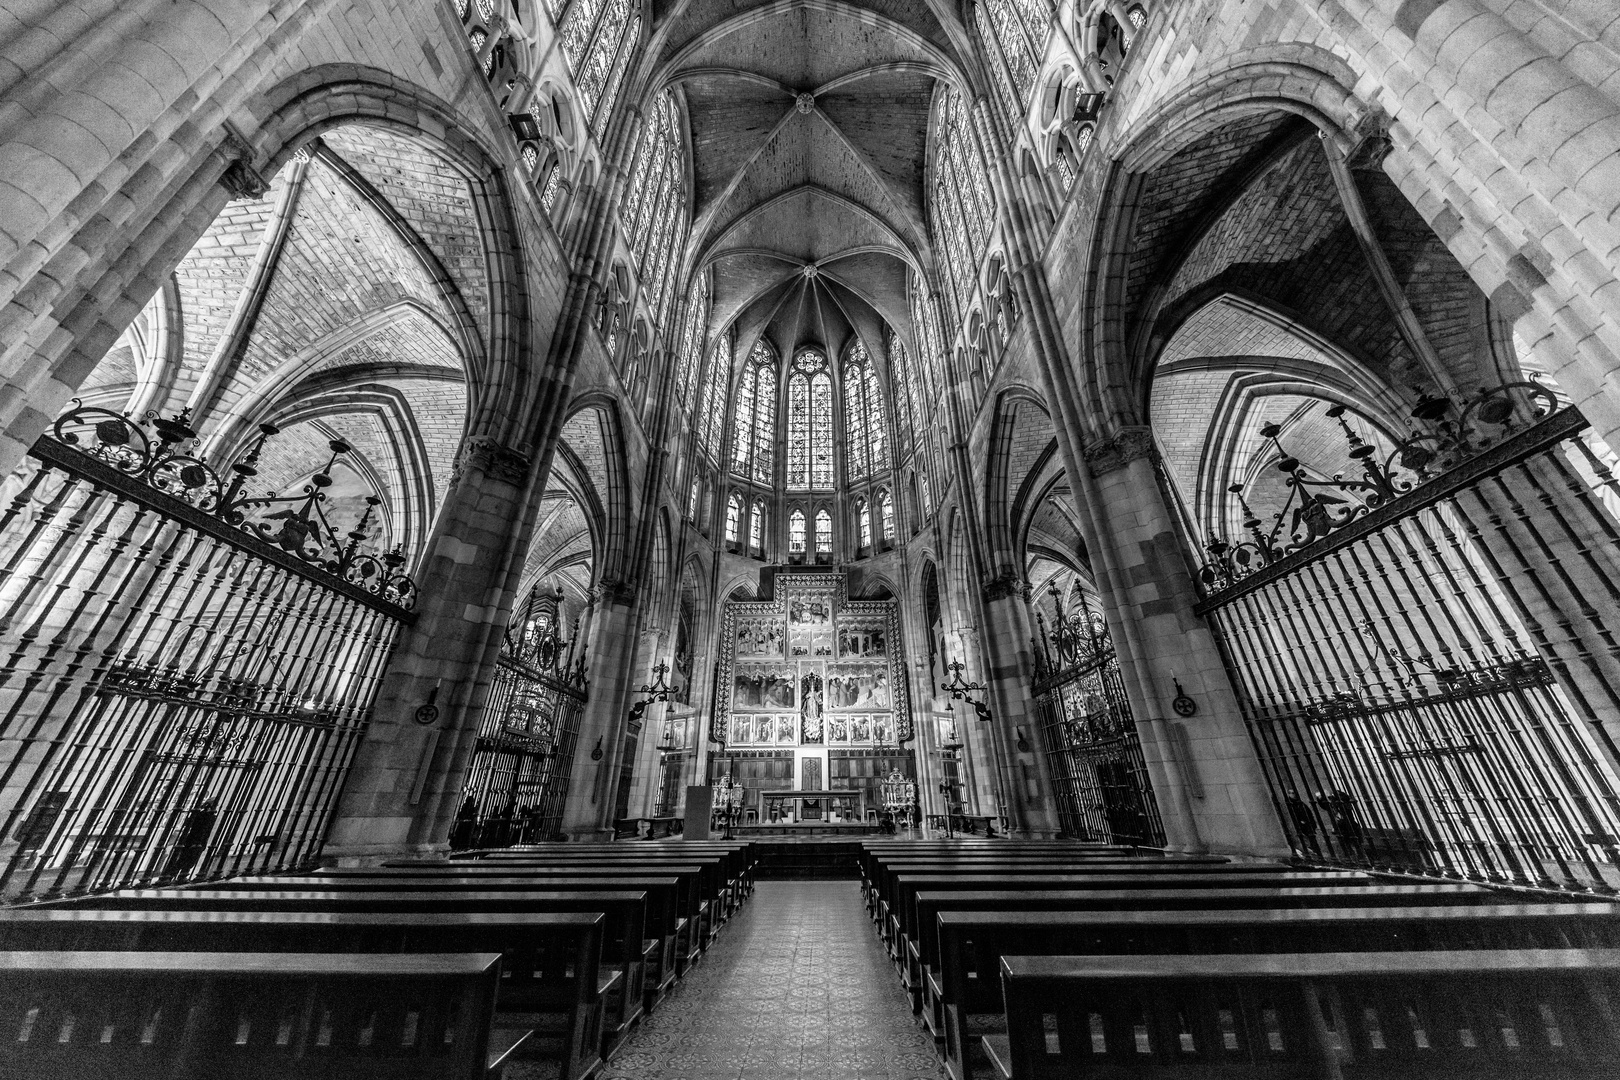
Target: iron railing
188,667
1093,750
517,782
1428,659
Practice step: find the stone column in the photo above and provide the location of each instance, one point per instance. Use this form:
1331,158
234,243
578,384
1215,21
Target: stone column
1206,776
588,814
1011,671
403,788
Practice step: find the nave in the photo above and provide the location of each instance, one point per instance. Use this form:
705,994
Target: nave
979,959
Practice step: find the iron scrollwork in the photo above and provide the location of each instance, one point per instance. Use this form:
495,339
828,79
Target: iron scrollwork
295,523
1444,436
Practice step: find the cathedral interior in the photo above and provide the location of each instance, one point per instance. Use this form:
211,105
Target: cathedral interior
1130,482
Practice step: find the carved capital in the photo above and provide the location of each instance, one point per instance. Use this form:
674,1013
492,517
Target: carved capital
1118,451
241,179
495,461
615,591
1002,586
1373,143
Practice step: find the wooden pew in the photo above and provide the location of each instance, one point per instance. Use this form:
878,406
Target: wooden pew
549,984
625,910
247,1016
1510,1013
880,885
900,926
929,905
671,910
972,943
715,888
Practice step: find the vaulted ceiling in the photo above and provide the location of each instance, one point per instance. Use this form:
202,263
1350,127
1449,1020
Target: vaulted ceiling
809,123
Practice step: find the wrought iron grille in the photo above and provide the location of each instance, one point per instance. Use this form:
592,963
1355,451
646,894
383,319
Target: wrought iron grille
1427,658
1092,747
188,669
517,782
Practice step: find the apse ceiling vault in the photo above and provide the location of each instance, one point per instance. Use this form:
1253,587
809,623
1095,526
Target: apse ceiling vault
809,123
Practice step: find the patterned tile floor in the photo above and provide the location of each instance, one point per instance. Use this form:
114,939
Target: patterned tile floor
797,988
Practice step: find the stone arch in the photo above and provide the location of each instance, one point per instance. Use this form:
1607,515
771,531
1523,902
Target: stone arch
130,264
1300,80
594,434
1006,430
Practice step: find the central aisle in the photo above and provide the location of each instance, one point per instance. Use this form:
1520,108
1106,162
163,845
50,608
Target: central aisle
796,987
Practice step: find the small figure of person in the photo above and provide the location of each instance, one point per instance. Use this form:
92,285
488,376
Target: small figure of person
1304,819
192,840
465,828
1341,812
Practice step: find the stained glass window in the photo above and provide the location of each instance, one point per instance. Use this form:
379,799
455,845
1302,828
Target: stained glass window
692,503
823,533
796,533
733,515
712,401
963,210
1014,32
691,354
754,426
927,493
886,520
756,526
905,396
863,515
548,194
866,440
653,214
809,426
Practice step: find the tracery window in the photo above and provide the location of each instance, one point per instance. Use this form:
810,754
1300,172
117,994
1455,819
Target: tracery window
823,532
654,211
711,402
796,533
692,503
691,355
548,194
963,212
1014,33
755,425
886,512
756,526
863,517
733,517
866,443
809,428
905,397
597,40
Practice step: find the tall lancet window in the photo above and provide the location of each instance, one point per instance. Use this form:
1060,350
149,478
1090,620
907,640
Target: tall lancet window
809,435
796,533
712,399
598,39
823,533
733,518
755,425
653,214
756,526
886,519
962,212
866,443
1014,33
691,357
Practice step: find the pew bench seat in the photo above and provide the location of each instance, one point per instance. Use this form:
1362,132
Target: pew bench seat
1529,1014
255,1016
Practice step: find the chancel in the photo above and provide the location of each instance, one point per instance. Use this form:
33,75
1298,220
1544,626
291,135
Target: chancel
990,539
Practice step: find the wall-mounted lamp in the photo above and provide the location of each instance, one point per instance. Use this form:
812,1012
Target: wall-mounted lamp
959,689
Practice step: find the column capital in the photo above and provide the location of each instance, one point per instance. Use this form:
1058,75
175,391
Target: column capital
1118,450
493,459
